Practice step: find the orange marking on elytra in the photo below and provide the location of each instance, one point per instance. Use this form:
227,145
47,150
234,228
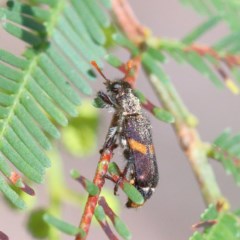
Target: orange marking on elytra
151,149
135,145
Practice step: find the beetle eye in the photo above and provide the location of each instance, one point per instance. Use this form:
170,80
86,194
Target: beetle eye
116,87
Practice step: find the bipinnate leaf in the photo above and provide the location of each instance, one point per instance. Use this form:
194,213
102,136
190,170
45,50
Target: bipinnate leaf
213,8
226,149
201,29
39,90
225,226
209,213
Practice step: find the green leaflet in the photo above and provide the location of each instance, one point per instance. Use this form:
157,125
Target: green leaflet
200,30
226,226
214,8
10,194
62,226
89,186
125,42
226,149
153,67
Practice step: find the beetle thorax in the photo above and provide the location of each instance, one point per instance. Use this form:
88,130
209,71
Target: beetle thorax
128,102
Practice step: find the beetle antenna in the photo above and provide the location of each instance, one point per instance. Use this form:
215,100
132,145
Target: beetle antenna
95,65
129,68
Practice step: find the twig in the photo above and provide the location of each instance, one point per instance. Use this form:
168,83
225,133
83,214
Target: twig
203,50
204,224
99,181
194,149
129,22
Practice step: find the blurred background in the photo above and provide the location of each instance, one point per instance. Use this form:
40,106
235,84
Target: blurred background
177,202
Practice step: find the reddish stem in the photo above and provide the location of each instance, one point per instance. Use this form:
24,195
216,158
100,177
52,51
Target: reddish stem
92,201
204,224
128,22
202,50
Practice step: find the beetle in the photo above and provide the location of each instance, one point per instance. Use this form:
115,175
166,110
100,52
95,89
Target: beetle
133,131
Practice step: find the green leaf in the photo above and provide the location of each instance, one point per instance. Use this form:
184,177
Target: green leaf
107,3
125,42
113,60
99,213
196,236
163,115
38,90
200,30
121,228
210,213
156,54
226,149
91,23
152,67
97,12
227,11
133,194
90,187
221,139
226,226
113,169
202,66
62,225
11,195
228,41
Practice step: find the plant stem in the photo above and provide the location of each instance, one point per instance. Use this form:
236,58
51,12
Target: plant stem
190,142
92,201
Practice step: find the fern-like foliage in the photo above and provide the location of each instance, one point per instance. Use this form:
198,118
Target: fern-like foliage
226,10
226,149
38,89
218,226
210,61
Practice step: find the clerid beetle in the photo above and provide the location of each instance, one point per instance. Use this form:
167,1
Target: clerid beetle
132,130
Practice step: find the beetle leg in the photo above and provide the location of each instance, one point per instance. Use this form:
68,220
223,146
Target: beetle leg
127,170
106,99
